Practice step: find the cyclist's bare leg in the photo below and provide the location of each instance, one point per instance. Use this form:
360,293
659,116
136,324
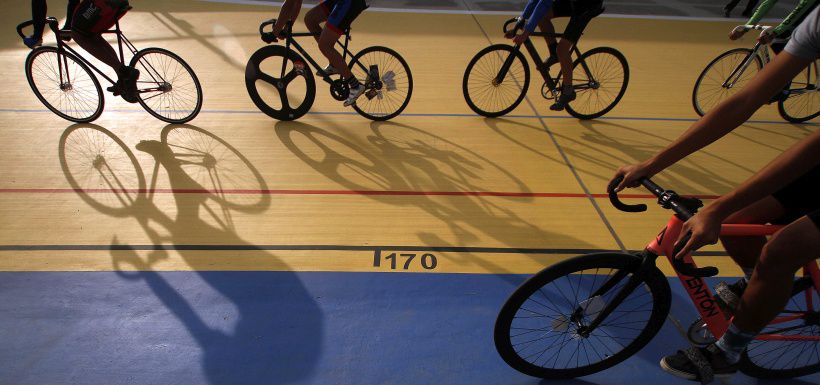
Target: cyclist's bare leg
770,287
746,250
564,48
313,19
96,45
327,40
545,25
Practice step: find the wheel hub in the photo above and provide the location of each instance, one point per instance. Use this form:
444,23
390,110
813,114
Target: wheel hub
66,87
165,87
209,161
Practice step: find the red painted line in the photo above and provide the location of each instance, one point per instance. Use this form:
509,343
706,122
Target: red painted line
328,192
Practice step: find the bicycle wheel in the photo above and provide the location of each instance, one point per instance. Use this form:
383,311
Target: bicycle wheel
483,91
167,87
280,83
803,102
784,359
709,90
72,92
540,320
388,93
600,77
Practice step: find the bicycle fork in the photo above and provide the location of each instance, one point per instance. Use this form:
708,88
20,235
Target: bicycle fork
739,70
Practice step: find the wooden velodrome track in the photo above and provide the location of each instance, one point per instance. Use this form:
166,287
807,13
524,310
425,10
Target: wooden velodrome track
331,191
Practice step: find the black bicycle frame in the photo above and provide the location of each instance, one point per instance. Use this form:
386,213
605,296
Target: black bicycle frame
541,66
62,46
290,41
745,64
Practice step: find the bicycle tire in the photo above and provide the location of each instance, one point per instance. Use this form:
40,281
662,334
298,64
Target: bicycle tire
803,96
721,67
162,85
483,76
801,361
654,281
387,88
254,73
605,81
67,96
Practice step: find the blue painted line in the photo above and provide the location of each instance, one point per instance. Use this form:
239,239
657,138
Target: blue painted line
226,328
432,115
450,249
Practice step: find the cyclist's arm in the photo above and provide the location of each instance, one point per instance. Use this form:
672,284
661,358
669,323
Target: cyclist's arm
536,14
790,165
792,20
719,121
761,11
289,12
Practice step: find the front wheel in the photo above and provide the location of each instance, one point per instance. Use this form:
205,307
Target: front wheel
64,84
723,77
600,77
280,82
387,80
539,329
803,101
167,87
496,80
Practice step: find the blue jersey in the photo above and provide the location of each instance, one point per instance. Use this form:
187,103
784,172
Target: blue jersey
534,12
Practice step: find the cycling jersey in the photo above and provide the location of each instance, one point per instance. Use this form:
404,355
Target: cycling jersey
785,28
580,13
96,16
341,13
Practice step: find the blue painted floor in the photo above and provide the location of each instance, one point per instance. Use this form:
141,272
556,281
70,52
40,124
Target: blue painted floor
276,328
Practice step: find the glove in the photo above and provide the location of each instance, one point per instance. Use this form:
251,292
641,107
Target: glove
738,32
766,36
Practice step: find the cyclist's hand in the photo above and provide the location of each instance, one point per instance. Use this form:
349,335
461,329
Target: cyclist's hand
632,177
705,229
520,39
737,33
766,36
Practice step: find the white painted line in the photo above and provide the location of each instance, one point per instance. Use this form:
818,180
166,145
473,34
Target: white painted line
509,13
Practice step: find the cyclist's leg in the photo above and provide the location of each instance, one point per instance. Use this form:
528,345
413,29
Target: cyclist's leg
545,25
69,13
96,45
318,15
745,250
771,284
39,10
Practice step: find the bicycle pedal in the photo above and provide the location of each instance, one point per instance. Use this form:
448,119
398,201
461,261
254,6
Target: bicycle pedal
371,93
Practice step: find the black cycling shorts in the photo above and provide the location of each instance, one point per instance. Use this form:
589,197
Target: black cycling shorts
800,197
580,12
341,13
815,217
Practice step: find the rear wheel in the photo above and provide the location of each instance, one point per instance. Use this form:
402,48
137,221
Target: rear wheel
539,329
803,101
387,80
64,84
487,90
600,77
167,87
710,89
784,359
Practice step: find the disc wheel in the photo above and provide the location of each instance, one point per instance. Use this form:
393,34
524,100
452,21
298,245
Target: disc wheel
785,359
72,92
803,102
709,90
538,332
388,92
167,86
280,83
483,91
600,77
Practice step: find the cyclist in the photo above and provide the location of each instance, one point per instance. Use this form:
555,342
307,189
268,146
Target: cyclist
779,34
88,19
39,9
769,266
337,15
541,13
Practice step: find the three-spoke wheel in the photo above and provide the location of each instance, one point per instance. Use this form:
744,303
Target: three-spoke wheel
280,83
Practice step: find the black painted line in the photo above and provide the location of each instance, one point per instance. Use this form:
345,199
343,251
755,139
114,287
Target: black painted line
380,248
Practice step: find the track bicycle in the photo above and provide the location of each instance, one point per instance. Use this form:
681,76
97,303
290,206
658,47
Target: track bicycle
497,78
64,82
726,74
591,312
281,84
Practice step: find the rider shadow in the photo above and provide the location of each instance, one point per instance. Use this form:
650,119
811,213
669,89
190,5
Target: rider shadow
399,158
277,321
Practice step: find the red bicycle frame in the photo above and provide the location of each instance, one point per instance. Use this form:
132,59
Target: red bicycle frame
714,317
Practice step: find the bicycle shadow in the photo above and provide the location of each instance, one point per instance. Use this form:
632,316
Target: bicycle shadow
399,158
202,214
